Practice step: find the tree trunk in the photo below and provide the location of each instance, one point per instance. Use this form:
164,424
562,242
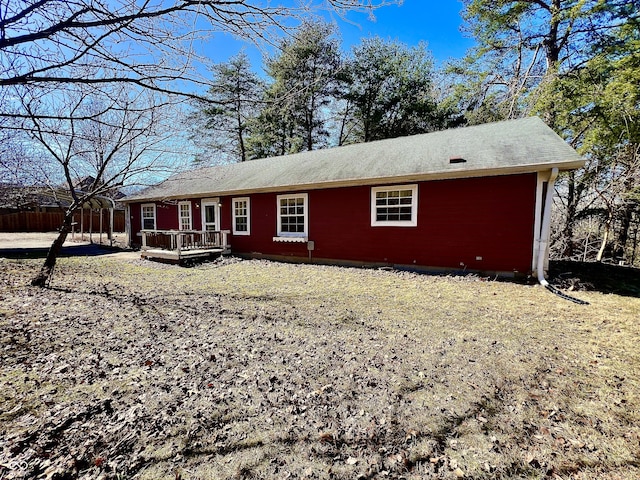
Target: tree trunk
43,277
620,244
605,237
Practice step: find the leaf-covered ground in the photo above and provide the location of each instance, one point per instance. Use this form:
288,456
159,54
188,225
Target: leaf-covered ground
248,369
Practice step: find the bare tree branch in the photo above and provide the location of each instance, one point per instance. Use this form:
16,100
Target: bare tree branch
45,44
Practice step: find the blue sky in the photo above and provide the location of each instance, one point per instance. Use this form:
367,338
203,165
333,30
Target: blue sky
436,22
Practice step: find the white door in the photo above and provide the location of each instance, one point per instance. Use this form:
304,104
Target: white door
211,214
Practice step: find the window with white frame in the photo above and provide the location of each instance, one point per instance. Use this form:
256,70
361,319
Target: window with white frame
148,216
293,213
184,215
395,206
241,213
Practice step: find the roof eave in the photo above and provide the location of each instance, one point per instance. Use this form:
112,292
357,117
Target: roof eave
413,177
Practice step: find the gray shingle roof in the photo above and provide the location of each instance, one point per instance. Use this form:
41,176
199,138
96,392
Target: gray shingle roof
514,146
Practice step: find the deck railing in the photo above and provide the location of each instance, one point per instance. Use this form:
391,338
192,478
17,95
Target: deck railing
181,240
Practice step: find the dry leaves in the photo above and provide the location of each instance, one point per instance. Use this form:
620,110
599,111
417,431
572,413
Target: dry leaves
243,369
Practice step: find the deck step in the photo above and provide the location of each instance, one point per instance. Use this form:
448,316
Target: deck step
174,257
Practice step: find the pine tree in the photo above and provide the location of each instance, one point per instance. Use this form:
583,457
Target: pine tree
389,91
234,95
302,89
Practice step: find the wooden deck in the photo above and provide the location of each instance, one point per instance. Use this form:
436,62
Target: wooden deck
182,246
183,255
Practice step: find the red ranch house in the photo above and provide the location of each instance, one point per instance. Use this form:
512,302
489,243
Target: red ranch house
468,199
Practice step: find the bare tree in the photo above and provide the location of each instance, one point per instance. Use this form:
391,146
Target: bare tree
147,44
116,140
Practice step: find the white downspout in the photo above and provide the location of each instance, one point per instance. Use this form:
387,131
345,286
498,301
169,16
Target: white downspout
546,227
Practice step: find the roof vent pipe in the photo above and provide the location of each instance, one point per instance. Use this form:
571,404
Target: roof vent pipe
457,160
544,241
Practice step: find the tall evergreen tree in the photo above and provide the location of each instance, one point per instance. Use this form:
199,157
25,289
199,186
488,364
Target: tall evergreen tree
389,91
303,86
525,45
234,94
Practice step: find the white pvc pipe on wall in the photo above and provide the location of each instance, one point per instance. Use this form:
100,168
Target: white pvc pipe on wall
546,228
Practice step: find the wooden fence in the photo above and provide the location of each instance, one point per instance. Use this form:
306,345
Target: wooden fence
51,221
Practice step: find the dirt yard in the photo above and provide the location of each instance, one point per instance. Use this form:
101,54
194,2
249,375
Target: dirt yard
125,369
37,240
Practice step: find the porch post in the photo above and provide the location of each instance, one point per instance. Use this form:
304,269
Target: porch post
127,224
111,226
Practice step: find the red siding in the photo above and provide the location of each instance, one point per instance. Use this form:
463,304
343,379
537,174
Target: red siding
166,216
263,224
458,221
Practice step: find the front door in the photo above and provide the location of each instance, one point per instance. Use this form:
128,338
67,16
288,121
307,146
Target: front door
211,214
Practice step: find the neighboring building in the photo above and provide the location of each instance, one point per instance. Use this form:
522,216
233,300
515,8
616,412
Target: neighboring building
465,199
41,209
85,184
19,198
16,198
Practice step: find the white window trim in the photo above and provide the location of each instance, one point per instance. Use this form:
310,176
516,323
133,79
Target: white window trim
400,223
207,202
292,236
155,215
186,202
233,215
